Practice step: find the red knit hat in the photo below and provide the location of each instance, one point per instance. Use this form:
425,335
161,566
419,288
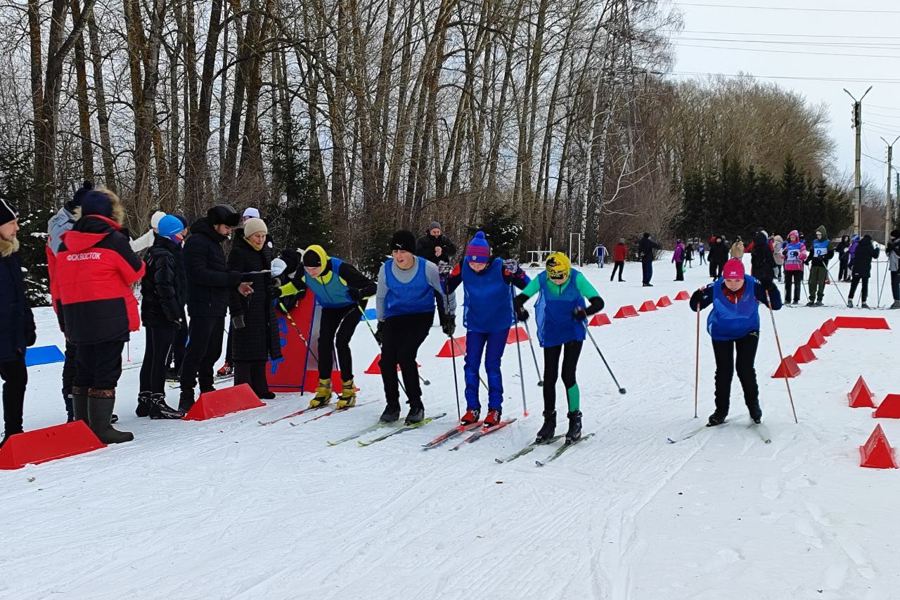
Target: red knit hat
734,269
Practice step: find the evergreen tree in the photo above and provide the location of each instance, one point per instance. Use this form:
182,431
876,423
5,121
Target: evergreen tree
502,229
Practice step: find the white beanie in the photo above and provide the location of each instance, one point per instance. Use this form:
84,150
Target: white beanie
155,219
251,213
254,226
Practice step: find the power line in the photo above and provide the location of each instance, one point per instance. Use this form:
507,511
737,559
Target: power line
770,51
796,78
793,8
792,42
800,35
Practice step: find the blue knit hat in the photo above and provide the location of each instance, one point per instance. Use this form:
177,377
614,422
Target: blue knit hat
170,226
96,202
478,250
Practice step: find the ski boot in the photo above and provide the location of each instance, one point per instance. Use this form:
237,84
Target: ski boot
864,305
347,398
186,401
574,432
493,417
323,394
143,405
716,419
100,410
850,303
755,413
391,413
225,370
548,429
473,415
416,412
895,305
160,410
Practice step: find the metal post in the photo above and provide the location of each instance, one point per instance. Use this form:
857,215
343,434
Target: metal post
888,212
857,174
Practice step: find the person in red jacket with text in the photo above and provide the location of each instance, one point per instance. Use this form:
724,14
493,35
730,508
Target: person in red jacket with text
620,253
94,271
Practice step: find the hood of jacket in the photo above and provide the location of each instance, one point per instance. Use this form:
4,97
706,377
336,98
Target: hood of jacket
821,229
88,232
8,248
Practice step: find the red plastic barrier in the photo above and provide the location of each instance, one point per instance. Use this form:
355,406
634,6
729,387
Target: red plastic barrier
447,352
804,354
663,302
889,408
600,319
49,443
222,402
861,323
828,328
861,396
787,369
286,374
683,295
877,452
647,306
511,336
816,340
625,312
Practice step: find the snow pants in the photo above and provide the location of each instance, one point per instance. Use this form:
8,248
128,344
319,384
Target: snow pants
817,277
98,366
68,377
15,378
156,354
335,329
647,267
895,285
792,279
724,352
570,352
679,271
401,337
619,266
865,287
491,345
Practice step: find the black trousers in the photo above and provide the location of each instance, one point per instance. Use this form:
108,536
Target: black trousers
619,266
715,270
15,379
156,353
203,350
254,373
401,338
792,279
844,267
551,370
98,366
679,271
68,378
726,364
865,287
647,269
229,357
176,354
895,285
335,329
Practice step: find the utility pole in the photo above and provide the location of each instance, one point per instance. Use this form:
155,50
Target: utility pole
888,208
857,175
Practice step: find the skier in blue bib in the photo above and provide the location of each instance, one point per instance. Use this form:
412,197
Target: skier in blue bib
562,326
487,316
733,325
820,254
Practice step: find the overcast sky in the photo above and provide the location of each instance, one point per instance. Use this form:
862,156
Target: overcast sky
856,49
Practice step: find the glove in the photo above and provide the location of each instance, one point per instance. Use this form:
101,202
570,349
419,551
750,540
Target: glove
521,314
449,325
511,265
237,321
579,314
354,295
379,333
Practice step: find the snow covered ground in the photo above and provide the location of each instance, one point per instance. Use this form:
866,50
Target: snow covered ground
229,509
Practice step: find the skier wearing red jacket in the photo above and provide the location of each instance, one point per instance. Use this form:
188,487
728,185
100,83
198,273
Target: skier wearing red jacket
94,272
620,253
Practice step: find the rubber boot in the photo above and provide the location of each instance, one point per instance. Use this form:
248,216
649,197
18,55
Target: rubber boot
574,432
548,429
186,401
143,405
160,410
348,395
323,394
100,408
80,404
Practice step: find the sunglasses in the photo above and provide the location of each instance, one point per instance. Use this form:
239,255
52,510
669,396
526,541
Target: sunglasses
557,275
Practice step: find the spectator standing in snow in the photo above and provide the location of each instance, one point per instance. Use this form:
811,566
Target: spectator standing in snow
820,254
762,262
145,241
794,259
620,253
843,253
718,255
163,295
434,246
561,328
689,253
600,254
733,325
778,256
647,249
95,270
893,255
678,259
17,330
861,268
209,284
408,286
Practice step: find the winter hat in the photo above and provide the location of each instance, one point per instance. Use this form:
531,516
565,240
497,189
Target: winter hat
558,265
278,267
794,233
315,256
621,240
181,218
156,218
250,213
7,212
75,202
734,269
435,225
478,250
291,258
403,240
254,225
169,227
895,233
222,214
96,202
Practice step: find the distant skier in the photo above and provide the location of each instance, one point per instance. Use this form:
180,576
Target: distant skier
701,252
620,253
487,315
820,254
733,325
843,253
718,255
561,319
689,254
794,258
600,254
861,268
678,259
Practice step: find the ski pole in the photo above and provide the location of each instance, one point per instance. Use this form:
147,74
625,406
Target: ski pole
534,355
519,353
603,358
877,277
780,355
883,279
372,331
697,366
844,300
455,380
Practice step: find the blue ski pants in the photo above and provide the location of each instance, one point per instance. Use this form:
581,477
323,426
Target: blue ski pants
476,343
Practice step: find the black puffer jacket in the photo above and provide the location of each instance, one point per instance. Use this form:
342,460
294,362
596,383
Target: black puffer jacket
426,245
208,277
16,320
258,339
164,286
862,260
718,253
762,261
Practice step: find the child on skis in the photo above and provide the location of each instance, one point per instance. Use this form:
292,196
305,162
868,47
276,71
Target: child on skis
818,259
733,325
562,326
341,290
408,287
861,268
794,259
487,316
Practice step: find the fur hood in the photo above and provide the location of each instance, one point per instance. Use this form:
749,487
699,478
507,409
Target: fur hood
8,248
